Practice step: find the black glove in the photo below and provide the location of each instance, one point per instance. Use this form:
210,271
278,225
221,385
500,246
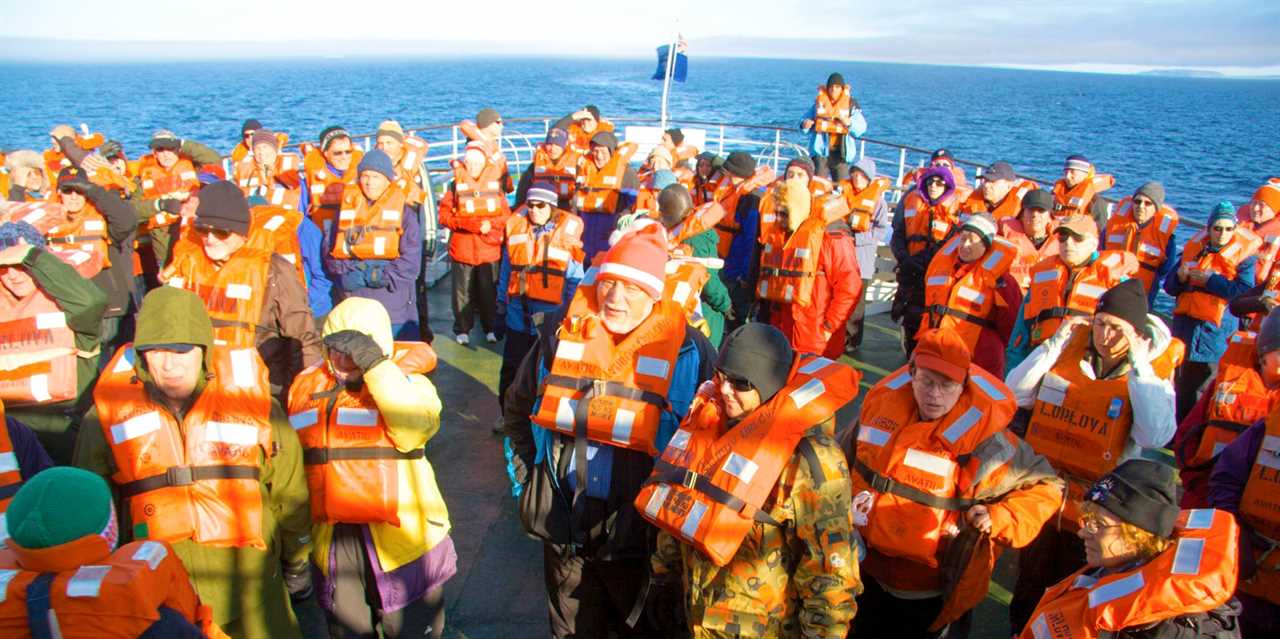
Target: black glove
171,206
359,347
664,607
297,579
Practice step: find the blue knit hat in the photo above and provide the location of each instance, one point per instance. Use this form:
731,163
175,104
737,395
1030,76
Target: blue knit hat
1223,210
11,232
377,160
663,178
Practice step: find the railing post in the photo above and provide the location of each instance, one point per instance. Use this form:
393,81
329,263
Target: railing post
902,164
721,152
454,129
777,140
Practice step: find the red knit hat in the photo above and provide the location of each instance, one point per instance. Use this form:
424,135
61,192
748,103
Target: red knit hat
942,351
639,258
1269,194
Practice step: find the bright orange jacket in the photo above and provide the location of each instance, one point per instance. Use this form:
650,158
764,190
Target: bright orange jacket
712,481
819,188
928,224
242,150
483,195
828,114
233,294
369,230
580,139
1007,208
94,593
197,479
598,188
157,181
1012,230
562,173
1196,574
1146,242
1082,424
38,350
81,243
1058,291
1240,398
703,218
320,179
350,460
539,264
611,393
1260,511
1196,302
1076,200
963,296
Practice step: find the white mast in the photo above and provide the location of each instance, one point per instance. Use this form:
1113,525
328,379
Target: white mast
666,82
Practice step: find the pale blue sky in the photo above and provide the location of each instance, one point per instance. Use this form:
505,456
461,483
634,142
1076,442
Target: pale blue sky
1142,33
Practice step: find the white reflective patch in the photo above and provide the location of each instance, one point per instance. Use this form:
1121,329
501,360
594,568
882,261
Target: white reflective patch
124,363
1050,275
690,526
277,196
741,467
1166,224
6,576
898,382
623,420
94,225
1040,628
939,225
231,433
928,462
1089,290
1153,251
1186,559
680,440
570,351
802,253
814,365
87,581
1109,592
681,293
656,500
1053,389
347,214
47,321
872,435
1200,519
379,245
8,463
40,387
177,282
557,254
970,295
392,214
151,553
652,367
518,238
239,291
988,388
908,213
1084,581
1269,452
811,390
136,427
962,425
564,413
304,419
1115,239
938,280
244,368
362,417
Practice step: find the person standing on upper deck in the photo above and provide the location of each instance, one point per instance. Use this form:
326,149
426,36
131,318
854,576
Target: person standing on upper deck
835,121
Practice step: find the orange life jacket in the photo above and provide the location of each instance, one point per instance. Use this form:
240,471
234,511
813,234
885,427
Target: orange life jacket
539,263
923,474
198,479
482,196
1260,511
1239,400
1196,574
789,263
927,224
963,296
828,114
350,459
1007,208
118,596
685,279
712,482
862,204
233,294
369,231
409,169
598,188
82,244
285,189
1269,233
242,150
157,181
1075,200
912,178
819,188
610,393
728,195
10,474
55,161
703,218
38,353
1012,230
683,153
1057,292
580,139
1081,425
1196,302
1147,243
562,173
320,178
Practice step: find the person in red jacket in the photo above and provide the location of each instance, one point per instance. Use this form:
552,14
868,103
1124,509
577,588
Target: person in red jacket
815,324
475,246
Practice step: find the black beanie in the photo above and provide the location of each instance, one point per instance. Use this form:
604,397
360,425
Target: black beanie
594,111
222,206
249,125
835,79
677,136
740,164
1153,190
760,354
605,139
1128,301
674,204
1140,492
331,135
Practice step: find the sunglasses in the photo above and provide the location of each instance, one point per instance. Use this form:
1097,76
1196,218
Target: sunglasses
1222,229
68,190
340,153
935,182
538,205
220,234
737,384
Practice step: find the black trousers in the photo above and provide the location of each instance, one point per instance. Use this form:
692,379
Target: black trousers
475,289
741,296
1185,384
357,610
1048,559
514,349
588,598
826,167
853,327
882,615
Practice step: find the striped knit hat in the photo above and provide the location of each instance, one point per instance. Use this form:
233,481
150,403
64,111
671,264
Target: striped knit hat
639,258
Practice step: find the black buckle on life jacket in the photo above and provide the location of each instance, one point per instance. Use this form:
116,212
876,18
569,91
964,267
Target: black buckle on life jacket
690,480
178,476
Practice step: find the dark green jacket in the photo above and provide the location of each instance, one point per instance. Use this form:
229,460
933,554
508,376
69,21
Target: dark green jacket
715,297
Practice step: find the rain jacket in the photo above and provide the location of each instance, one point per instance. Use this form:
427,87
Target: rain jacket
818,141
836,288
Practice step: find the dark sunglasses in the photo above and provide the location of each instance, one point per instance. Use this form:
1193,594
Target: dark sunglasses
220,234
346,152
538,205
1222,229
737,384
68,190
936,182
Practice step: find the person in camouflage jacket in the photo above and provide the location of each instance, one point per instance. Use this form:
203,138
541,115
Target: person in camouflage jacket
795,579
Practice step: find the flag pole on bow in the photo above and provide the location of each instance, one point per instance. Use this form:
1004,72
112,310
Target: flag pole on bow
666,81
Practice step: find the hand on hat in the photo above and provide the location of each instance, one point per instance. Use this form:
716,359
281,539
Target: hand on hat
14,255
1139,346
361,348
1065,329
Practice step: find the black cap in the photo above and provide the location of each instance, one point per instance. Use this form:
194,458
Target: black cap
73,177
760,354
940,154
606,139
594,111
677,136
249,125
330,135
1269,333
835,79
1128,301
222,206
999,171
1140,492
740,164
1038,199
674,204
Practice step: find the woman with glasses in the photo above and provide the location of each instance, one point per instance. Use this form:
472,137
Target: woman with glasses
1151,571
1218,264
1143,225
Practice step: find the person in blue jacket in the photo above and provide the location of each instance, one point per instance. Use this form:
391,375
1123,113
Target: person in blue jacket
832,149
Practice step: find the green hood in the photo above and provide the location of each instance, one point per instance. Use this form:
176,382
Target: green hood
172,315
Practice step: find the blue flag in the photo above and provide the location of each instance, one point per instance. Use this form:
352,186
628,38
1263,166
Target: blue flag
681,70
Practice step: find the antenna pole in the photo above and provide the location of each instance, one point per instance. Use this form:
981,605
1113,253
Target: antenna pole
666,82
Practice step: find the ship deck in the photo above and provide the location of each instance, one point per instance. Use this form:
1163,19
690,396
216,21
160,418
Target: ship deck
498,591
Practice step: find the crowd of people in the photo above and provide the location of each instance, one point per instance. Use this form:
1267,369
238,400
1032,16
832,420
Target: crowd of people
218,395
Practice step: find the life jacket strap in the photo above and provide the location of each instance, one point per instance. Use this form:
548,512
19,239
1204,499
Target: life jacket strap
668,473
784,272
613,389
1058,312
940,309
9,490
39,603
187,475
882,484
74,239
318,456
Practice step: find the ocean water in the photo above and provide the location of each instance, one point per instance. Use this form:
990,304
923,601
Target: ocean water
1206,139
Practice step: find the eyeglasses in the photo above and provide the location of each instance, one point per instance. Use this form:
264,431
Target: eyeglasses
68,190
220,234
1222,229
935,182
341,153
1092,524
1144,203
737,384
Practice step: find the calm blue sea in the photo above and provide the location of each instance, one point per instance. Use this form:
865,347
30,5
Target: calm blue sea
1206,139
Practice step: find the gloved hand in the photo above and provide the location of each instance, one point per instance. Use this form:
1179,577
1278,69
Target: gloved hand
297,579
172,206
355,278
361,348
664,606
375,277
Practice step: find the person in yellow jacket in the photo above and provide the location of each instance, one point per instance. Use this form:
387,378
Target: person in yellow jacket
383,551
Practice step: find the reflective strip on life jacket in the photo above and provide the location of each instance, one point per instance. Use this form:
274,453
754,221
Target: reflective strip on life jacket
828,114
1260,512
539,263
962,296
598,188
38,351
1050,299
789,264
